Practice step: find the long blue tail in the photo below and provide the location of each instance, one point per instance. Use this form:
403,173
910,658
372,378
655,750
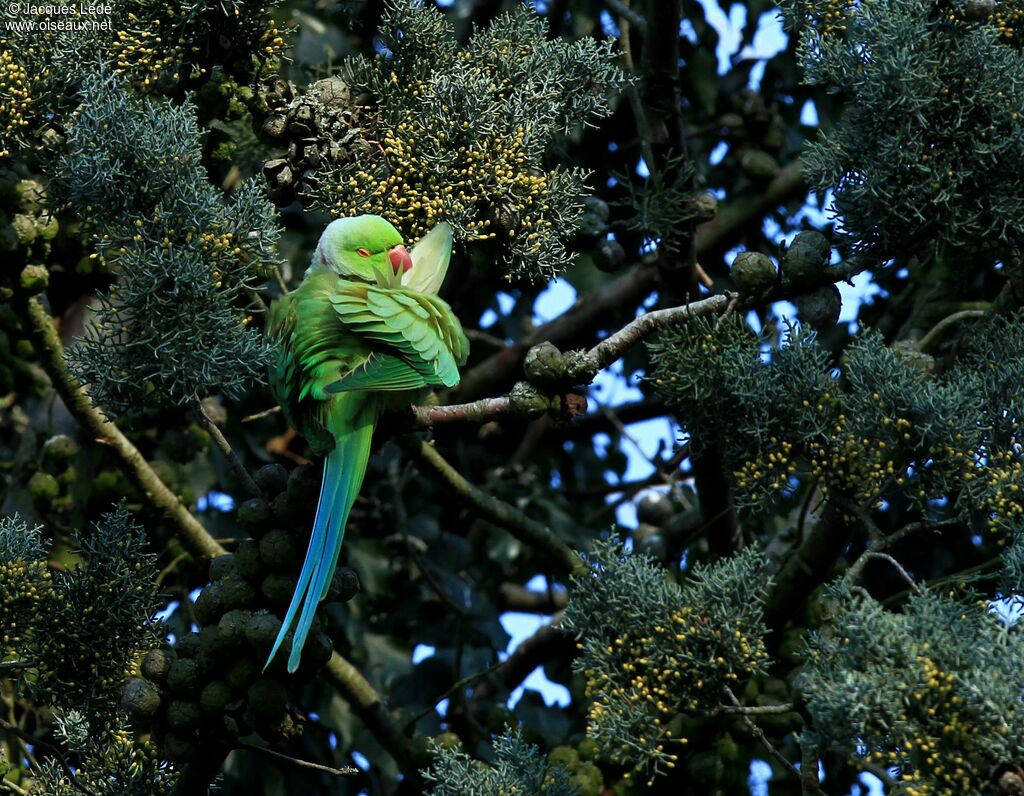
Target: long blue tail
344,469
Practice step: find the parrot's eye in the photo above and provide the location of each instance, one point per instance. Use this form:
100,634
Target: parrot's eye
363,252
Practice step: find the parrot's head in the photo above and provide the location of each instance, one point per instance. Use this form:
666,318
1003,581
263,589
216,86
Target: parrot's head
367,248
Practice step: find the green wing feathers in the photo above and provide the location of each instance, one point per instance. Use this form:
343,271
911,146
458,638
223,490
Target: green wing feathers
417,328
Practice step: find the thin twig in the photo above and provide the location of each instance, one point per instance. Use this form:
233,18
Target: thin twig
469,679
275,272
14,665
758,733
369,706
523,528
945,323
480,336
260,415
482,411
752,710
924,525
225,447
347,771
16,731
12,788
613,347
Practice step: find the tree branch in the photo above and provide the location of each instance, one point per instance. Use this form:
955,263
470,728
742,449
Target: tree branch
512,597
609,350
523,528
758,733
806,568
295,761
17,732
51,354
369,706
225,447
592,309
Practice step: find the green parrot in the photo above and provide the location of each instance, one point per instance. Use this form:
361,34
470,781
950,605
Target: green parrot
363,332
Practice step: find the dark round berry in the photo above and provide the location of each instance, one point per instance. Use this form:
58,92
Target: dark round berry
272,479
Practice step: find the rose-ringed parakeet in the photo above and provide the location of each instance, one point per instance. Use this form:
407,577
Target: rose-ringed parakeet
363,332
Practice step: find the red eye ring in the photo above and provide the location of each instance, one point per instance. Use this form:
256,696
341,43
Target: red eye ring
363,252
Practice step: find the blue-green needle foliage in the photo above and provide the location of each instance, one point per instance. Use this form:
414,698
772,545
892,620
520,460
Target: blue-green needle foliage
518,769
651,649
878,423
111,761
934,691
95,620
929,152
175,323
24,582
462,135
150,43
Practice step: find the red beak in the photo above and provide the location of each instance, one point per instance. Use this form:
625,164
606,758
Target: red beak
401,260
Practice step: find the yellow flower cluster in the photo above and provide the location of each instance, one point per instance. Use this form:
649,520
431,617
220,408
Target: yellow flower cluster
1003,474
830,17
681,666
15,99
1008,18
148,48
412,187
863,467
939,759
147,54
23,584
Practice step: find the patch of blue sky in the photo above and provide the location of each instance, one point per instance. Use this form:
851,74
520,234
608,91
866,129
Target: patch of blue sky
554,300
520,627
167,611
809,114
360,760
872,784
769,38
216,501
610,388
421,652
608,25
541,585
1009,609
757,780
729,29
505,304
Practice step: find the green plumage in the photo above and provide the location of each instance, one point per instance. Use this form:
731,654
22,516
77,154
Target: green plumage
348,348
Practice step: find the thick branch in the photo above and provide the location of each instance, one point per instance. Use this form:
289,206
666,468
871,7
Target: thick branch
369,706
592,310
482,411
523,528
51,352
547,644
609,350
512,597
615,346
808,566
